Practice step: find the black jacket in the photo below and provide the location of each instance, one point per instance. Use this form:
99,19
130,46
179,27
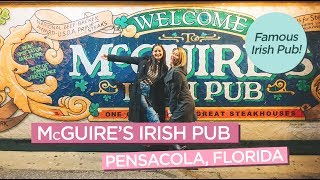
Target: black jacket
157,94
181,103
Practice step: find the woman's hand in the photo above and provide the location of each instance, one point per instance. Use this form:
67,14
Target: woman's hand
104,57
169,114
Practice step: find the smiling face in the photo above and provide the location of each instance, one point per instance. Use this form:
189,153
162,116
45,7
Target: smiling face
175,57
157,53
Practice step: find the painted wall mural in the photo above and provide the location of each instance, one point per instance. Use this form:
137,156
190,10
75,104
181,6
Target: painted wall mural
51,64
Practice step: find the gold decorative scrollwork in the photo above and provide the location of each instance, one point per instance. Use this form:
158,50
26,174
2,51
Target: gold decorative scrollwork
3,97
104,87
281,87
174,38
305,107
1,41
34,98
129,31
190,37
315,88
69,109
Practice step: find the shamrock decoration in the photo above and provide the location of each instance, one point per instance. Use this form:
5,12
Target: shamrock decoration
106,98
277,97
82,85
303,85
122,22
93,109
4,15
174,34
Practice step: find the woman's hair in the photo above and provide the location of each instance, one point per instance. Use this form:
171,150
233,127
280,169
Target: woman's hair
163,59
183,57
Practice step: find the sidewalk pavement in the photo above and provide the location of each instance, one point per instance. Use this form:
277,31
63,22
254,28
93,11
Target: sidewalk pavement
28,164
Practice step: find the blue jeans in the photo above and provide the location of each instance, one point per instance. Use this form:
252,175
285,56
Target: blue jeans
152,115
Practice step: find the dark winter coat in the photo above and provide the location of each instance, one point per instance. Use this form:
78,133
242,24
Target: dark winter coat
157,89
181,103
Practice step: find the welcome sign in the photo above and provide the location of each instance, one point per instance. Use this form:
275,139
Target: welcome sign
51,64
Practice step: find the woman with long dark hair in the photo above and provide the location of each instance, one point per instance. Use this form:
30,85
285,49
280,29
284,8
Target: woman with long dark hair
147,95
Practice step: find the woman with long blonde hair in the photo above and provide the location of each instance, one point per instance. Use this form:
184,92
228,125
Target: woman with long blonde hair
181,103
